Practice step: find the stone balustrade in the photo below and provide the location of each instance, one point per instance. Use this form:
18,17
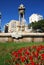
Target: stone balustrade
22,37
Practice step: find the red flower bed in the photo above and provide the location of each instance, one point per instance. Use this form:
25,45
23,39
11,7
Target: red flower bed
32,55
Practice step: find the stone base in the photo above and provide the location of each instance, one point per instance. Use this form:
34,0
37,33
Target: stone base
3,39
31,37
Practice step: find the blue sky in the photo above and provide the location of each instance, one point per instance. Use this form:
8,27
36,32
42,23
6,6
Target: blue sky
9,9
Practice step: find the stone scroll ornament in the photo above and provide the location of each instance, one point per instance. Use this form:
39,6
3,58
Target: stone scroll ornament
16,35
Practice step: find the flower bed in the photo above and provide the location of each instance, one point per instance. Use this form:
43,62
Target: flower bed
32,55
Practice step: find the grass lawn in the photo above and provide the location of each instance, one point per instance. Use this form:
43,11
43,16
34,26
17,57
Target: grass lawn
6,48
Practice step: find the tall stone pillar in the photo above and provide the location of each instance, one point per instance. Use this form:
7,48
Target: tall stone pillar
21,10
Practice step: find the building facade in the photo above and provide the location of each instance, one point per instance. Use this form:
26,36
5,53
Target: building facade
13,26
35,17
20,25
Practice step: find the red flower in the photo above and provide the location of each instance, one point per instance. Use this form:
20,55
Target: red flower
40,48
28,48
17,64
32,63
37,64
30,57
33,47
27,53
27,64
36,54
20,51
16,55
22,58
42,56
13,53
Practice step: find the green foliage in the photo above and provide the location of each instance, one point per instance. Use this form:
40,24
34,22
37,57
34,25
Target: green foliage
37,25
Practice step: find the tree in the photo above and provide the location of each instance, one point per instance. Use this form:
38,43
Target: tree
37,25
